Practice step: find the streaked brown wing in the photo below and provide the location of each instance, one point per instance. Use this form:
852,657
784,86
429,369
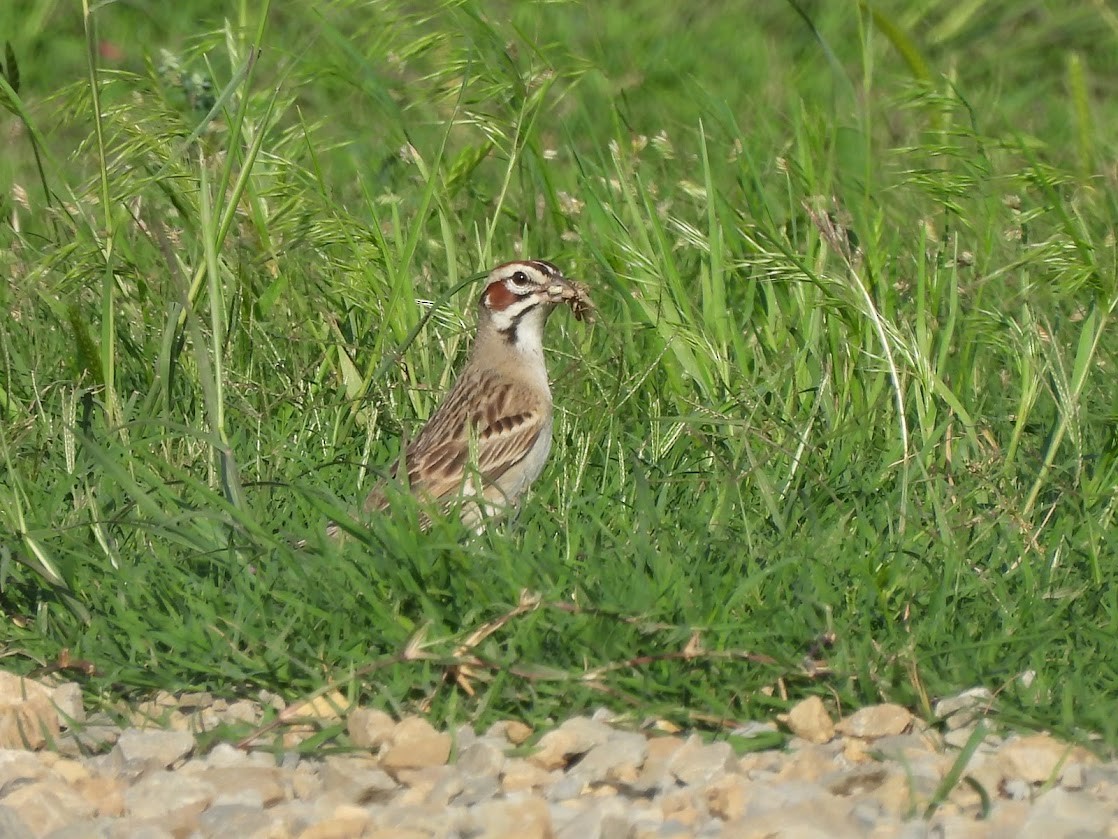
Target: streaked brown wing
507,423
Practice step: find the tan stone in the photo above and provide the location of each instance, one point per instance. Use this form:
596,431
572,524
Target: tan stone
295,735
808,764
857,780
305,782
894,794
28,719
514,819
347,822
1038,757
271,700
697,762
661,749
204,719
169,797
876,721
207,719
575,737
554,750
329,707
369,728
955,826
166,699
755,763
46,806
965,796
1057,812
419,783
818,818
988,774
856,751
155,748
18,767
514,731
241,711
964,709
355,778
67,699
658,760
201,699
518,774
414,744
48,759
809,719
152,713
264,780
1007,817
626,774
71,771
679,806
1073,776
105,794
728,797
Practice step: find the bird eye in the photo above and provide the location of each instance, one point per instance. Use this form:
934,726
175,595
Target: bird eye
520,279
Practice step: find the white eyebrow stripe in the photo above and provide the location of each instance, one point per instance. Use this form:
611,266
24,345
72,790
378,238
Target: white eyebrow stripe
547,268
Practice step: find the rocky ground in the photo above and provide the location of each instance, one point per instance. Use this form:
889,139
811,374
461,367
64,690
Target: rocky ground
878,772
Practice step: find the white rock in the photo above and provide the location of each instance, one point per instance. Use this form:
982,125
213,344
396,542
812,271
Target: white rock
162,748
28,718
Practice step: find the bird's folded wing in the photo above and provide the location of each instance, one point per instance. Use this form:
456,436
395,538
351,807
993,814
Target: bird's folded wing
499,432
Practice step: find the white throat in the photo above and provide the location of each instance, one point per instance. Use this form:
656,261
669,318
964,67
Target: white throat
515,335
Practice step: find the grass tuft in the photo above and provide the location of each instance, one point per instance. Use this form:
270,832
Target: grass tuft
844,427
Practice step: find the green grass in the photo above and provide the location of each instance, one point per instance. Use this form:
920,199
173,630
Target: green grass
850,396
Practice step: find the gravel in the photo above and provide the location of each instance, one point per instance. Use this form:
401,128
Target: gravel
878,772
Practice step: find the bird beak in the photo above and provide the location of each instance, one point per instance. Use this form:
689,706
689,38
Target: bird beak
575,294
561,290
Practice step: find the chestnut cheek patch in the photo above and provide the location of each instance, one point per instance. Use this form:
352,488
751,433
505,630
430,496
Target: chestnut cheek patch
497,297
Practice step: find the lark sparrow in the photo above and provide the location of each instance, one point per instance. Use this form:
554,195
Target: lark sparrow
489,439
